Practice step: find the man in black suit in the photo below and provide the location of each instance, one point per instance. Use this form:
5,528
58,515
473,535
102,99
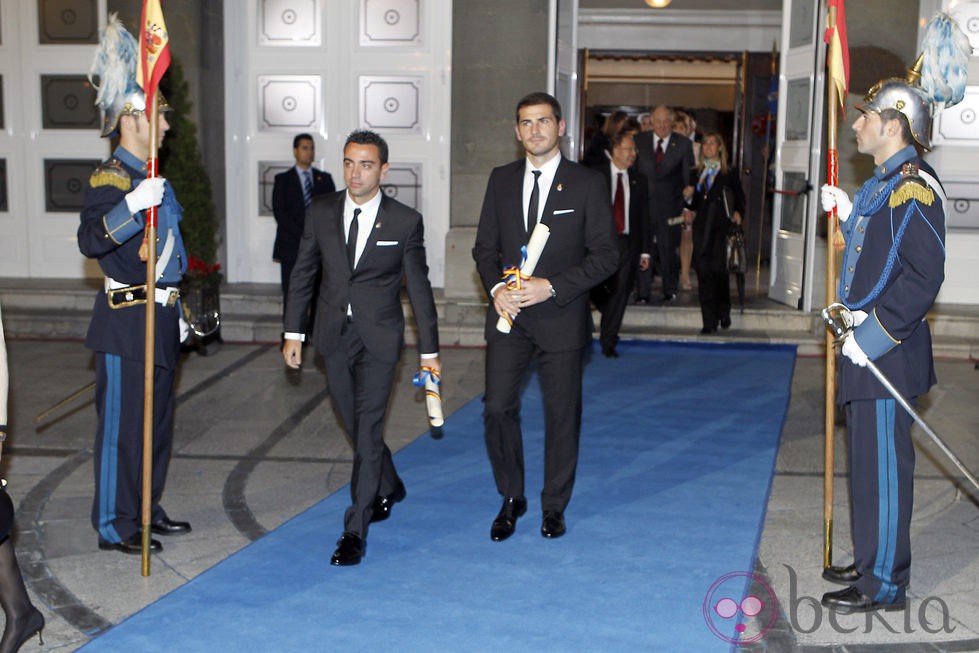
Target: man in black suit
292,193
366,242
550,310
630,210
666,158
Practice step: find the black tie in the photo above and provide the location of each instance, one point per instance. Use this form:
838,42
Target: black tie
534,202
352,240
659,151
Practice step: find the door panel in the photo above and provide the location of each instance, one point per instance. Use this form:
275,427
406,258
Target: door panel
800,126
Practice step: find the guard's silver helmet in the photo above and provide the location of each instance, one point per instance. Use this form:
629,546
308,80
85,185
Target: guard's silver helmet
911,101
114,63
132,104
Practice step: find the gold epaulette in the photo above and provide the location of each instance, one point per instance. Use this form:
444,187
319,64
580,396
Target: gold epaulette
911,187
111,173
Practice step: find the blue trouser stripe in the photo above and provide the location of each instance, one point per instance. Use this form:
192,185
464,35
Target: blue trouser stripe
110,448
887,498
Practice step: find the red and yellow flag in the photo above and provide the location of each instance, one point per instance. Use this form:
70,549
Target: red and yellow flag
154,49
839,51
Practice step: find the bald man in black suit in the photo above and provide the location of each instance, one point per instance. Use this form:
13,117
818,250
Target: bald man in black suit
666,159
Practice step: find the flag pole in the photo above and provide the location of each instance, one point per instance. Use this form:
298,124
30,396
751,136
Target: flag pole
833,99
150,344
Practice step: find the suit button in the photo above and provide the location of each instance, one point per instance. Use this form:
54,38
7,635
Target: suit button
858,249
850,268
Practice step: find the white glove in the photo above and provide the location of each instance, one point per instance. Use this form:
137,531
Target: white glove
853,351
831,196
148,193
858,317
184,329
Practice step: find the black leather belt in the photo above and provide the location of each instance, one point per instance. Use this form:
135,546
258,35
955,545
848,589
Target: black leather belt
136,296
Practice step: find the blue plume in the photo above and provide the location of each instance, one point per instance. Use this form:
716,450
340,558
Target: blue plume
945,67
115,64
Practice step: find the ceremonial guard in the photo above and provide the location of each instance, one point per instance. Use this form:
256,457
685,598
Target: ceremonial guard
112,231
893,268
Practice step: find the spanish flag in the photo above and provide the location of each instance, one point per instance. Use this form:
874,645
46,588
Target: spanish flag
839,51
154,49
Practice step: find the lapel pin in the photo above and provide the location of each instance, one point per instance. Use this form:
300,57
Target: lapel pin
560,187
377,225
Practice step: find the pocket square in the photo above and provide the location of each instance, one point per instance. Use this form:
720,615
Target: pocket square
563,211
387,243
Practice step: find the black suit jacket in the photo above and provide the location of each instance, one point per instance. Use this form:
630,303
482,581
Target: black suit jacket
640,225
666,181
290,210
395,249
580,254
713,220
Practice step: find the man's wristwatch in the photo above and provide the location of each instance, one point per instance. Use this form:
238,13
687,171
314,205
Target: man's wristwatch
553,292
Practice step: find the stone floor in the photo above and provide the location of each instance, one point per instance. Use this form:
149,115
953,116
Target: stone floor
256,444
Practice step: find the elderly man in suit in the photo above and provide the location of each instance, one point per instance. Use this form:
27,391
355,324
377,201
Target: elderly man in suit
367,242
666,158
629,194
292,193
550,310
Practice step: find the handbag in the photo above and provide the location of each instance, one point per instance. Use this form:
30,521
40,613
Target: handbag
736,259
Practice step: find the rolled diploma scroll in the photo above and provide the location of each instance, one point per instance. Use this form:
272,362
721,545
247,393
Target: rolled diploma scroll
431,380
433,400
534,249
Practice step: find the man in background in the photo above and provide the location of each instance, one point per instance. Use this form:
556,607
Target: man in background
629,196
292,193
666,159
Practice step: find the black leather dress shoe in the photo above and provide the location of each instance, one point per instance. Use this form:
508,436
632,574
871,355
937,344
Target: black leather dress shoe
706,331
350,549
852,599
553,524
506,521
132,545
383,504
726,323
609,352
167,526
842,575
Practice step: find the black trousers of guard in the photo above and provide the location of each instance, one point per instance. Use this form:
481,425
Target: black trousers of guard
881,492
118,456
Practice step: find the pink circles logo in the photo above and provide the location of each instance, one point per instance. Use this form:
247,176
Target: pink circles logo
735,598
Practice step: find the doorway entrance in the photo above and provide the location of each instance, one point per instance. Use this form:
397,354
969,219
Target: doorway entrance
723,92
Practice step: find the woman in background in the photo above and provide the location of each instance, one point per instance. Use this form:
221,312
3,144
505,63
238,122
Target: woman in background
22,618
718,202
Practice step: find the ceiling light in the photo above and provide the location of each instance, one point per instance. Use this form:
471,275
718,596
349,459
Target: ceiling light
657,4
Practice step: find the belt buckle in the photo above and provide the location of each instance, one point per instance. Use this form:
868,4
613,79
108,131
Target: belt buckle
129,296
172,298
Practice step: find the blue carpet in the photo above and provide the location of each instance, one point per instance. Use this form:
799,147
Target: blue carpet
678,449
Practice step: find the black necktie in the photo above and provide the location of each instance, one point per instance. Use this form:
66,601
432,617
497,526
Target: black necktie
534,202
352,240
